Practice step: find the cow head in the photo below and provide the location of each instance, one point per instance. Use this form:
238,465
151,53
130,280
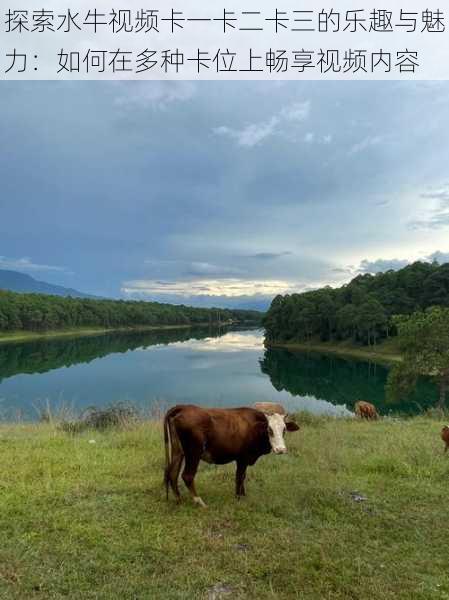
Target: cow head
277,426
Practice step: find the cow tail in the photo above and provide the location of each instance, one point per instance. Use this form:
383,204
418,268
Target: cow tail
168,453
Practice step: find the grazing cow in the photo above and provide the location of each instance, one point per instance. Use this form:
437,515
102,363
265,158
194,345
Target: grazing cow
219,436
366,410
445,437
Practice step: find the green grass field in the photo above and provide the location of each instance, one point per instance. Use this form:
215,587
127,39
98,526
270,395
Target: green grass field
85,516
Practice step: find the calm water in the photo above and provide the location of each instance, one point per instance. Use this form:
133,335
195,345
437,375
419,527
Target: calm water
211,368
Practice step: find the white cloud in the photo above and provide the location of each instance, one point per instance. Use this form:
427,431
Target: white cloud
154,94
366,143
437,216
254,133
311,137
381,265
295,112
230,287
440,257
25,264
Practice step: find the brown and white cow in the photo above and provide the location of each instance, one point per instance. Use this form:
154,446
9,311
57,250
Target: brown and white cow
219,436
365,410
445,437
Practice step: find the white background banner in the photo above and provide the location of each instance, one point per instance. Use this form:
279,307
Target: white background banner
195,39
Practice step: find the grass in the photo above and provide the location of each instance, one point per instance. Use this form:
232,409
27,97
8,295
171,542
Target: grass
385,352
85,516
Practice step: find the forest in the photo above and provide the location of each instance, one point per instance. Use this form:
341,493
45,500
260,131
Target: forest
361,311
40,312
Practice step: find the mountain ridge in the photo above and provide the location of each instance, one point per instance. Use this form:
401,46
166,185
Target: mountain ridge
15,281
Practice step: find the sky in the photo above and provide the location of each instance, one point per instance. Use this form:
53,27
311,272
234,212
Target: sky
221,193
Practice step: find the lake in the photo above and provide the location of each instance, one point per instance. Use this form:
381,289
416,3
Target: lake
157,369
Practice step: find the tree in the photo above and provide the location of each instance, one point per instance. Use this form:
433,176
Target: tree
424,343
371,319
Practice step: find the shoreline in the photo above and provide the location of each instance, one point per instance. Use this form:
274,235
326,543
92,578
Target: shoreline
381,354
29,336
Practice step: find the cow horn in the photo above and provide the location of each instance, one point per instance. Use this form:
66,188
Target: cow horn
270,408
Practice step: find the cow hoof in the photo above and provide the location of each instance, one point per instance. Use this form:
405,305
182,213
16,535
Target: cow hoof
200,502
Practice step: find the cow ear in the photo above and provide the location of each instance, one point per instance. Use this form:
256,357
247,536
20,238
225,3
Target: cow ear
291,426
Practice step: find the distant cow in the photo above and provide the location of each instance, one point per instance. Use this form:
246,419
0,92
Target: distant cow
366,410
445,437
219,436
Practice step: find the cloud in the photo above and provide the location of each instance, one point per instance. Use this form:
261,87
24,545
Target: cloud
311,138
25,264
299,111
269,255
438,216
381,265
439,257
230,287
154,94
254,133
205,268
193,268
366,143
440,193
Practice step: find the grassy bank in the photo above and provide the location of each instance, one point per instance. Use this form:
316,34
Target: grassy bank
25,336
85,517
386,352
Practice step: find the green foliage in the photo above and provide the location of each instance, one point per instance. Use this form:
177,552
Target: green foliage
360,311
424,343
39,312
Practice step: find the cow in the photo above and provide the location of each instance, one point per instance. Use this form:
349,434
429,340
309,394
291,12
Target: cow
219,436
445,437
366,410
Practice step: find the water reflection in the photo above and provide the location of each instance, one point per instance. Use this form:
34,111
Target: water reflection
203,366
339,380
45,355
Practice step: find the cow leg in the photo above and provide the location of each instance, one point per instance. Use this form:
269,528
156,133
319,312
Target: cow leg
240,475
188,475
176,456
173,474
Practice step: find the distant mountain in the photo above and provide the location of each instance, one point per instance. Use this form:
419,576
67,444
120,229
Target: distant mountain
20,282
259,305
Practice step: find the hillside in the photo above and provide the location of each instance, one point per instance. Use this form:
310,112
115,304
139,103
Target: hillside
39,312
359,311
20,282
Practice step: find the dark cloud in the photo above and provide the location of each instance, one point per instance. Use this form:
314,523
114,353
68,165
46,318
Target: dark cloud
136,170
269,255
